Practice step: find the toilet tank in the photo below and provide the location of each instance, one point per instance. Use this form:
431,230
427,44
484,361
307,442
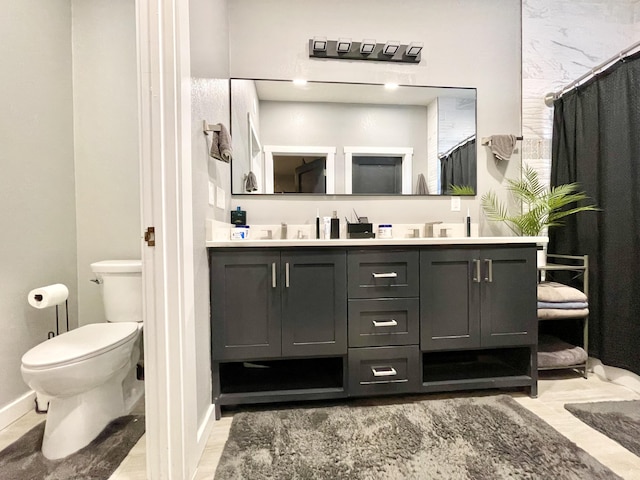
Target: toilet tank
121,282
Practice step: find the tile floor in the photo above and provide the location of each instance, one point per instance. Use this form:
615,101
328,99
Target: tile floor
555,389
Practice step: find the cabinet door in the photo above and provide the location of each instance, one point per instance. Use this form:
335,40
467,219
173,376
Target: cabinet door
245,304
314,303
508,296
449,296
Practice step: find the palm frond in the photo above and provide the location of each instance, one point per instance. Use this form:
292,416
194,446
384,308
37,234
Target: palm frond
539,207
461,190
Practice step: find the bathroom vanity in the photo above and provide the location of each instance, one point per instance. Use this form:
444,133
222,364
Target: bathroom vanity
325,319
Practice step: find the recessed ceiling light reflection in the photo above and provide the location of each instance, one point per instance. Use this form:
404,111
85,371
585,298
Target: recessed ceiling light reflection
299,82
390,86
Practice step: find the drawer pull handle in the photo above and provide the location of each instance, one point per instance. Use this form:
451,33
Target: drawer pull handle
385,275
384,371
385,323
274,283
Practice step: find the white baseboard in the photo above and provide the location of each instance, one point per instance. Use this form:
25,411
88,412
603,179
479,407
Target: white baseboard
204,430
13,411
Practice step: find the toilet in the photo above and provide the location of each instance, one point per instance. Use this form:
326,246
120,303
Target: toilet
89,374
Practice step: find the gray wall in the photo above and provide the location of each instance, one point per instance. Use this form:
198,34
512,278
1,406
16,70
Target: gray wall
467,44
37,207
69,157
323,124
105,110
209,101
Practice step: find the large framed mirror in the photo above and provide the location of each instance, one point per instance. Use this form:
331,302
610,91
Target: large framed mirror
330,138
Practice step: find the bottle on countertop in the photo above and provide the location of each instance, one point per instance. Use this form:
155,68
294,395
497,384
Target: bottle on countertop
238,217
468,223
335,225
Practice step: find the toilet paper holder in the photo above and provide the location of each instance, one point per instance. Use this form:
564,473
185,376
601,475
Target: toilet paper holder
38,295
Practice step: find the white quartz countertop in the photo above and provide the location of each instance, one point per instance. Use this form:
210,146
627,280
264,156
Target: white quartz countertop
377,242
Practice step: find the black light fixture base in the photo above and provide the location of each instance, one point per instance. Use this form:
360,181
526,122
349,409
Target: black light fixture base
354,54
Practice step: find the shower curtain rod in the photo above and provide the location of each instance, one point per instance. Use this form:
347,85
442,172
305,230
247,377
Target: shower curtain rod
458,145
551,97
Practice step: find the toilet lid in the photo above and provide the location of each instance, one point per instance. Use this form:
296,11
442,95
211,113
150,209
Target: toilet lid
79,344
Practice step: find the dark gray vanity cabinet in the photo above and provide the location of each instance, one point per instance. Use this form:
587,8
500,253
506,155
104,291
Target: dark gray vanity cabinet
278,303
307,323
245,304
477,298
314,302
383,321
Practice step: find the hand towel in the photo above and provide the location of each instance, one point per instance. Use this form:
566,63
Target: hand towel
502,146
251,183
221,145
421,188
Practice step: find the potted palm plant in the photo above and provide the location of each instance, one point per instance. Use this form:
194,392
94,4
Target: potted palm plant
539,206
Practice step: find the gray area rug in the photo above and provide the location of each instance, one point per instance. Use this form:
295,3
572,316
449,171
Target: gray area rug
97,461
619,420
490,437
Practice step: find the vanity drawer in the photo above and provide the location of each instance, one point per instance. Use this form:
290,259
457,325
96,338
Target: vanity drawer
377,274
380,370
382,322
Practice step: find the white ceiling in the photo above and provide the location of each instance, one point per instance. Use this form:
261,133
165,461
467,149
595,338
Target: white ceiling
283,90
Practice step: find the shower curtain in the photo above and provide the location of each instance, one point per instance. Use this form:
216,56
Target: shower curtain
596,142
458,167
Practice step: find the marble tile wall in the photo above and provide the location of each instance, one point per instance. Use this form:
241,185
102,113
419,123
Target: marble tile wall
561,41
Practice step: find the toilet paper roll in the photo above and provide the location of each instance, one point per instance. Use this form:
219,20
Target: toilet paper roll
48,296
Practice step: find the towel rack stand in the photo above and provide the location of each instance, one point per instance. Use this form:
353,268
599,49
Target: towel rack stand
487,140
210,127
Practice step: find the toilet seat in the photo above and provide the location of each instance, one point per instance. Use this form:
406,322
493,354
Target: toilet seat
80,344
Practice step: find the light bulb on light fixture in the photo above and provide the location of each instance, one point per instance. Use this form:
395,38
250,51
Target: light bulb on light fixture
391,47
343,45
319,44
414,49
367,46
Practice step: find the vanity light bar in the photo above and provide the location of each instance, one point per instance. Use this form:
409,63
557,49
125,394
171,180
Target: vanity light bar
367,49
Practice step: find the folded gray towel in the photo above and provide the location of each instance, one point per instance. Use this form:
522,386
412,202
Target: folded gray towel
553,352
421,188
558,292
563,305
221,145
250,182
560,313
502,146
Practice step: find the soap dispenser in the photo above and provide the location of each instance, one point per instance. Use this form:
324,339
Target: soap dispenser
238,217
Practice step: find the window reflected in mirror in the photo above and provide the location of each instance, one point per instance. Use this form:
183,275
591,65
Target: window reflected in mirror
296,174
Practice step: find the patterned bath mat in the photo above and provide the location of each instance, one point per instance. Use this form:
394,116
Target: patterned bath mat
97,461
620,420
489,437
